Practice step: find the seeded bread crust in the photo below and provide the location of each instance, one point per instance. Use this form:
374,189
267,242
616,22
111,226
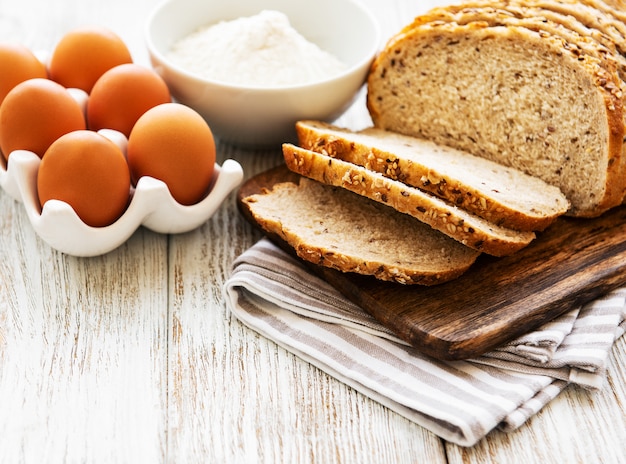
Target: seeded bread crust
568,12
344,231
458,224
616,4
591,13
502,195
518,97
583,38
616,9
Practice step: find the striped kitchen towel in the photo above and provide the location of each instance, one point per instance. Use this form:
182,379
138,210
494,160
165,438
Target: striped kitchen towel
460,401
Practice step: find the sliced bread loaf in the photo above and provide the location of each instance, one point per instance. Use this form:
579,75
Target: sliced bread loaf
467,228
502,195
339,229
519,97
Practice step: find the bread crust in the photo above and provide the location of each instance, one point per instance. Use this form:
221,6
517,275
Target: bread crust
582,37
606,88
613,8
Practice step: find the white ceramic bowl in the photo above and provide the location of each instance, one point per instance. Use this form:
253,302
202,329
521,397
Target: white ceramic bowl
261,116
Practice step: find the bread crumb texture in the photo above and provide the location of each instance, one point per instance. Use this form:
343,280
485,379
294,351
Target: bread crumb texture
336,228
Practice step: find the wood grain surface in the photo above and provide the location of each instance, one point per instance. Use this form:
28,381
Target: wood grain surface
571,263
133,357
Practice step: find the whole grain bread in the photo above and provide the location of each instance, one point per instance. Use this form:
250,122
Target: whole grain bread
457,223
581,37
589,13
526,99
502,195
586,30
336,228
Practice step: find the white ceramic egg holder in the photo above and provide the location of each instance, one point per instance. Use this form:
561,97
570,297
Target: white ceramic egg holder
151,204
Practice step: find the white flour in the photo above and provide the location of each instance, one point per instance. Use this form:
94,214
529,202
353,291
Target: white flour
262,50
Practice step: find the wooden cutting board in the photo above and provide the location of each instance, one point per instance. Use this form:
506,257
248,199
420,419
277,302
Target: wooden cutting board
572,262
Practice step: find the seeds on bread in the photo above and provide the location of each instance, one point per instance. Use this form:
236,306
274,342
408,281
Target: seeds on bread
580,37
499,194
586,12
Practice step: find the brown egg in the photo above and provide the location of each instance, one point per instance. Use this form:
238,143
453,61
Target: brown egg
173,143
90,173
122,95
35,113
18,64
84,54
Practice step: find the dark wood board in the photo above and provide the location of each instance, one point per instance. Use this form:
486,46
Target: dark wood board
571,263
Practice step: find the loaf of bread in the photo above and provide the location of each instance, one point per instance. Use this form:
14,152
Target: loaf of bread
457,223
502,195
521,97
339,229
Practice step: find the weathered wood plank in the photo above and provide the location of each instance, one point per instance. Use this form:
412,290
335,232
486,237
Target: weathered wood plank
83,364
132,357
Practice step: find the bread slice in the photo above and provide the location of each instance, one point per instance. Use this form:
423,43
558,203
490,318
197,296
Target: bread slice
469,229
502,195
336,228
518,97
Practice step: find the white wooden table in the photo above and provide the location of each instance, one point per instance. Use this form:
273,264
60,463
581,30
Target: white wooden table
132,357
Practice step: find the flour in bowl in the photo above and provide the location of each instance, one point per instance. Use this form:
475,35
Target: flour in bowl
263,50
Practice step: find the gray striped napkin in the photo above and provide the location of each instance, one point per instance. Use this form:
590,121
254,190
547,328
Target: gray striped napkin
460,401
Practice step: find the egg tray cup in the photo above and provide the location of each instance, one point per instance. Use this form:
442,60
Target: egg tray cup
151,205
